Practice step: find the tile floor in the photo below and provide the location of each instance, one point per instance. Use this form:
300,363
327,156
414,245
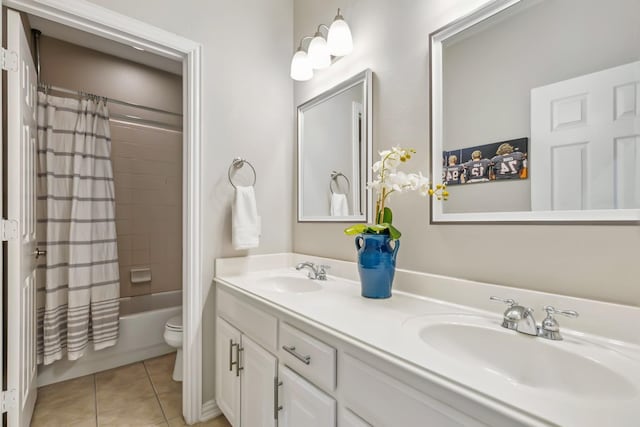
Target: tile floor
141,394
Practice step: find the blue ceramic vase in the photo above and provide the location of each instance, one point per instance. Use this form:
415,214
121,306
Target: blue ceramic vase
376,264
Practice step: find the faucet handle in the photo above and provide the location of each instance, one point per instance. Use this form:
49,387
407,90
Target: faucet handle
509,301
550,329
552,310
322,271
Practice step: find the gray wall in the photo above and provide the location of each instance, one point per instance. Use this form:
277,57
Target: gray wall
489,74
391,38
247,112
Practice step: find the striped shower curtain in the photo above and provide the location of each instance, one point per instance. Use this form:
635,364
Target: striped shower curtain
78,281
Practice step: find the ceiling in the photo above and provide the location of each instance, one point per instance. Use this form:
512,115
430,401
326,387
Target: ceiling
91,41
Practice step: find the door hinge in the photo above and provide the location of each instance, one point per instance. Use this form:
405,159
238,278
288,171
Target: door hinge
8,60
8,400
8,229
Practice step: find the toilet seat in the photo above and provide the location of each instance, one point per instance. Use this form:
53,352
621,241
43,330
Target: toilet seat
174,324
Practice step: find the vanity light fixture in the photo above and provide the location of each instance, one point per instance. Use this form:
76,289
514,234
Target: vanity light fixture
321,50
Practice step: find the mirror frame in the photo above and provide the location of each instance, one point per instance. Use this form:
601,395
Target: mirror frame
436,211
364,77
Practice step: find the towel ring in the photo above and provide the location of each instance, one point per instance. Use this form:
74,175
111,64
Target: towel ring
238,163
334,177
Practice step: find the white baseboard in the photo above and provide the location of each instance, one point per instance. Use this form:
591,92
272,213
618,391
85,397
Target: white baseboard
209,410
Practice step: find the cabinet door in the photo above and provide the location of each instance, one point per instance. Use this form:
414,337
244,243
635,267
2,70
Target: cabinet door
257,385
227,372
349,419
303,404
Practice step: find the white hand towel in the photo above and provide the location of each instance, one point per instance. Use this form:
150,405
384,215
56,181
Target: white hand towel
339,205
246,223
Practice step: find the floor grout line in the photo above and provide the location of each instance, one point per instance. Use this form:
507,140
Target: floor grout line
95,397
155,392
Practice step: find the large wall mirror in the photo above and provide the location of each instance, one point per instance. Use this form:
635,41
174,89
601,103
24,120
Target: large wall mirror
334,153
536,112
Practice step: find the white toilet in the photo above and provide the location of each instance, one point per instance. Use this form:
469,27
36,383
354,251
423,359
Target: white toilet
173,337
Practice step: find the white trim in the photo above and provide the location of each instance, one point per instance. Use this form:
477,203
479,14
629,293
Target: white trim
105,23
209,411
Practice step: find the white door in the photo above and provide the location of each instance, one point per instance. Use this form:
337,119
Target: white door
258,376
585,142
228,371
21,202
303,404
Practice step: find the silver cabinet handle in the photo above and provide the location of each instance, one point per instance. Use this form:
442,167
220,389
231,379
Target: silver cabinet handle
238,367
276,400
292,351
39,252
231,362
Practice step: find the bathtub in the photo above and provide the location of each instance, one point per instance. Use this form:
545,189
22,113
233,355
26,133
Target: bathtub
141,337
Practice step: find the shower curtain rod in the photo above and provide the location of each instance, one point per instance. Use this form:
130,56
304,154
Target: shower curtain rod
43,88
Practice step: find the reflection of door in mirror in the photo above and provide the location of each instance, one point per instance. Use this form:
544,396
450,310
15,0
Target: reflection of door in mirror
584,140
520,69
333,145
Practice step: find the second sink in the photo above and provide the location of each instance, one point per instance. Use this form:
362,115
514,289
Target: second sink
580,369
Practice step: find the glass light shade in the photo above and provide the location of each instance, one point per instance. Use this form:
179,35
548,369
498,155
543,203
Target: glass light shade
339,38
319,52
301,66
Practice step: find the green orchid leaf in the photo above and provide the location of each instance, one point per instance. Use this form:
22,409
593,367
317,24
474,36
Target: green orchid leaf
387,216
377,228
356,229
394,232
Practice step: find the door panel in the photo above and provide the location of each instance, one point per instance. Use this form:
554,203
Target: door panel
303,404
584,141
21,170
257,385
227,376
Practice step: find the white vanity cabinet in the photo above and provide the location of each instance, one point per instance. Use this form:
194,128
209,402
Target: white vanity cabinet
274,368
302,403
245,374
251,390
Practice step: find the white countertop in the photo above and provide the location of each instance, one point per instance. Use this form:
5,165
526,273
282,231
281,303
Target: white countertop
387,326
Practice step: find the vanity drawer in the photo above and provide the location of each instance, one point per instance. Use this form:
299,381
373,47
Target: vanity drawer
311,358
382,400
255,323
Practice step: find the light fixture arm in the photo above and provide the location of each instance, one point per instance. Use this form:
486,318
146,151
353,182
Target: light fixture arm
302,41
320,32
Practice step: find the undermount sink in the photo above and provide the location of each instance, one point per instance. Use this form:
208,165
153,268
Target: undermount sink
575,368
289,284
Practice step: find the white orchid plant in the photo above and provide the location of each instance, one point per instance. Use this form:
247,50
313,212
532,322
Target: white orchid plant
390,180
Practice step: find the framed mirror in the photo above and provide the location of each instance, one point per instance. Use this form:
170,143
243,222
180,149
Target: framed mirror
535,113
334,153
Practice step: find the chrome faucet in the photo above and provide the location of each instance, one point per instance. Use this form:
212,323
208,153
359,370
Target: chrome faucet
316,272
517,317
521,319
550,329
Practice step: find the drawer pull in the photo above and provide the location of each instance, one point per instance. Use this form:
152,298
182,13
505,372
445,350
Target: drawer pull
292,351
238,367
231,362
276,399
